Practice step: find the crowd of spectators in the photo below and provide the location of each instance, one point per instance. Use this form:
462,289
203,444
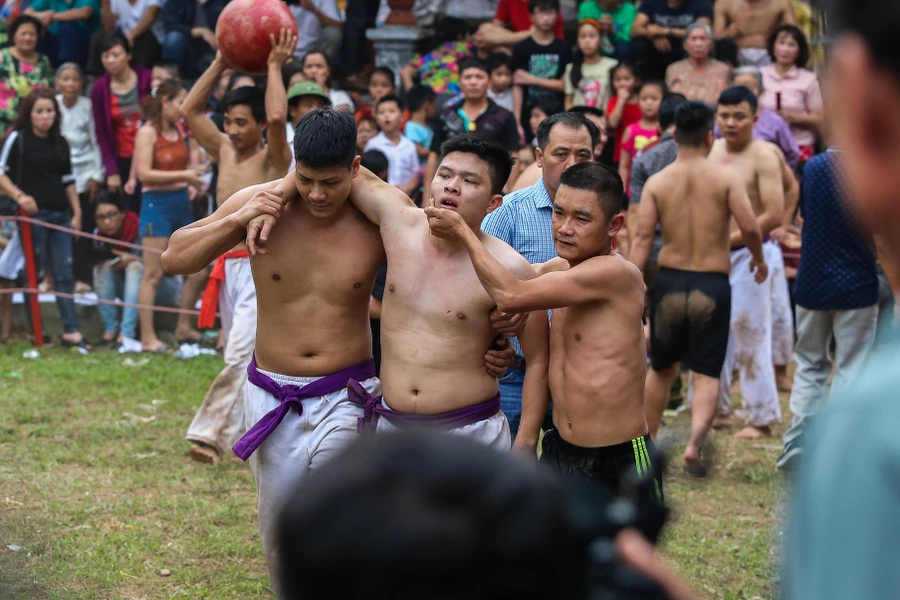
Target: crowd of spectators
498,68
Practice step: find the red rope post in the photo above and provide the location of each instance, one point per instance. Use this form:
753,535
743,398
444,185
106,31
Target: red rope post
31,276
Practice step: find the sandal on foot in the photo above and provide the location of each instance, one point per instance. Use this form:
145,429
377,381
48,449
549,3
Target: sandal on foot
161,349
82,345
205,454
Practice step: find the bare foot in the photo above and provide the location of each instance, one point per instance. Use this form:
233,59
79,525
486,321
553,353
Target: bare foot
693,466
782,379
722,422
205,454
753,433
153,345
188,335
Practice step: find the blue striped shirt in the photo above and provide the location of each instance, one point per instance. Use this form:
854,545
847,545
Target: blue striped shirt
524,222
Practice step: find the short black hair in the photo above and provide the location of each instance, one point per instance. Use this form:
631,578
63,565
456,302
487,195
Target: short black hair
693,122
451,29
375,161
875,21
535,5
667,110
107,197
796,33
569,119
600,179
499,59
24,20
654,82
390,98
251,97
474,63
438,517
495,155
588,110
387,72
418,95
112,39
545,106
326,137
737,94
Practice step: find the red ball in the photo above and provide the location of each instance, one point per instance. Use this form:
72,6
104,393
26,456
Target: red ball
243,30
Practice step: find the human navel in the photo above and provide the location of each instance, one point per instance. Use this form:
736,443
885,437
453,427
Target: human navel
276,277
577,337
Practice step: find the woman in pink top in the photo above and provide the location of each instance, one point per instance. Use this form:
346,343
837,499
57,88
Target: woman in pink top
791,90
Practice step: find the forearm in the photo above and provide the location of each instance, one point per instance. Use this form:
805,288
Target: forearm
325,20
72,197
769,220
557,85
107,17
502,36
431,167
195,102
535,400
568,102
753,240
500,284
9,188
518,99
276,98
74,14
145,23
615,117
640,249
193,247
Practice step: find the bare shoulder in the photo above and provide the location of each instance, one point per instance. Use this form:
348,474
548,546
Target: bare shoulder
552,265
507,256
763,156
613,272
146,132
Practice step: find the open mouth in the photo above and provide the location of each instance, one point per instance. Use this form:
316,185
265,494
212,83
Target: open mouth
448,203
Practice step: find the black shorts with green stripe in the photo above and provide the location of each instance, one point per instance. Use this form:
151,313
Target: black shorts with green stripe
606,466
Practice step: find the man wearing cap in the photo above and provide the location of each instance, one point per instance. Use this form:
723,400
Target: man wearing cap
303,97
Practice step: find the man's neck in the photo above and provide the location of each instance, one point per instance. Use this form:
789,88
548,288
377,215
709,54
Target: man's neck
474,104
699,64
551,191
737,146
244,154
543,37
393,136
686,153
418,117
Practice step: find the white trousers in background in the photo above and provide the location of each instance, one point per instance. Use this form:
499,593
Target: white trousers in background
782,318
220,420
750,344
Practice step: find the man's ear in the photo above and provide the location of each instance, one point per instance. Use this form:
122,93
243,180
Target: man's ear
354,168
539,158
615,224
495,203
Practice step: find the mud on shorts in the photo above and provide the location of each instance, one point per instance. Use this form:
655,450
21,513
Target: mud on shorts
606,466
690,318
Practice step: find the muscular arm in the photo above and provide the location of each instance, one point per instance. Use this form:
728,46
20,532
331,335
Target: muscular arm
742,212
771,195
193,247
193,109
376,199
791,192
647,218
276,103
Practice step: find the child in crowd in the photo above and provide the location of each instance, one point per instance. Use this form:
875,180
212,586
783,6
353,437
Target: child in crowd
615,18
366,129
539,63
587,77
622,109
421,100
536,115
403,160
381,84
501,80
645,132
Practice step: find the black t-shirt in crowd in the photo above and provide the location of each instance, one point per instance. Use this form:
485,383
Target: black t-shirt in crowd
546,62
46,170
680,17
495,123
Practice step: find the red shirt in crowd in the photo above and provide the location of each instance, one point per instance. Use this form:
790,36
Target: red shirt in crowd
631,114
515,14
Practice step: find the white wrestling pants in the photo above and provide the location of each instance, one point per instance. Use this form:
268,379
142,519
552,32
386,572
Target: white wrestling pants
220,420
750,343
301,443
782,317
493,432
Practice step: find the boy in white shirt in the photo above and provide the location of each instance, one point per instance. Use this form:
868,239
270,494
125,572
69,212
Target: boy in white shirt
403,161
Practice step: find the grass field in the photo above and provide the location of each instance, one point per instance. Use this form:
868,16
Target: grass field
99,500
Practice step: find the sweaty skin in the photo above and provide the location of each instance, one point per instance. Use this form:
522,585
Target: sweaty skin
749,22
598,355
435,314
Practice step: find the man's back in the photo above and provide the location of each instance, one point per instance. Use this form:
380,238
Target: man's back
756,19
692,202
313,290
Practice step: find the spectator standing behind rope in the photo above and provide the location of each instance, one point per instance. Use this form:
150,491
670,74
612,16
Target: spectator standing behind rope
161,160
36,171
792,90
317,68
117,98
22,68
87,165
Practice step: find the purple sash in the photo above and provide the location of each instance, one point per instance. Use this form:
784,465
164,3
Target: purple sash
373,408
291,396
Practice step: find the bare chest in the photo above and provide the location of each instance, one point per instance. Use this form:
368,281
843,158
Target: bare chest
756,16
235,176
